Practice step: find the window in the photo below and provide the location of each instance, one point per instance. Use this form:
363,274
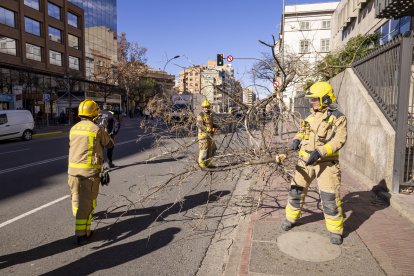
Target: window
324,45
73,19
32,26
73,63
304,46
7,17
326,24
7,45
304,25
73,41
32,3
53,10
33,52
55,58
55,34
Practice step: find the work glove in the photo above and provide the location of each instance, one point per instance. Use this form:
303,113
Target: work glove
314,155
296,144
104,177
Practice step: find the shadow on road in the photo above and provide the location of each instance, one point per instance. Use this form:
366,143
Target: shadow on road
105,257
158,161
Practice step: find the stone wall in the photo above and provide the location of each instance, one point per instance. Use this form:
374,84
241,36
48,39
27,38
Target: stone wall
369,149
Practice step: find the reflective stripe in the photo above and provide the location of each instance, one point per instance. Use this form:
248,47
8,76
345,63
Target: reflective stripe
83,131
300,135
81,221
85,166
334,225
306,136
330,120
328,149
304,154
291,213
310,119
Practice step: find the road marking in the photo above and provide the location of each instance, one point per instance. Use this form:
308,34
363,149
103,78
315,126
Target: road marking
50,160
33,164
33,211
13,151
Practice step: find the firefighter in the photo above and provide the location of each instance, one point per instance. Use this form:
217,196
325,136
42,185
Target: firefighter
86,143
206,130
321,135
108,121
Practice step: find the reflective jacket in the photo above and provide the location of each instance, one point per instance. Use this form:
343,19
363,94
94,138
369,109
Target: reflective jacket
205,125
325,131
86,143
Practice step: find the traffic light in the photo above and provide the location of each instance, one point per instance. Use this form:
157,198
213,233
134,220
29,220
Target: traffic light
220,60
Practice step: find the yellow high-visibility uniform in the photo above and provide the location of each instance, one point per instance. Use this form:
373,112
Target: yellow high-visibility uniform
86,144
206,144
325,131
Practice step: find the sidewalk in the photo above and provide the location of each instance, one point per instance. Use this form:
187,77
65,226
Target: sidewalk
377,237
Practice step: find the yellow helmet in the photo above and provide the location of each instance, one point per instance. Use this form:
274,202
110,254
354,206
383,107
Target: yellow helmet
323,91
205,103
88,108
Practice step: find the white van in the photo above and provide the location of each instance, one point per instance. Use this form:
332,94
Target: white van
16,124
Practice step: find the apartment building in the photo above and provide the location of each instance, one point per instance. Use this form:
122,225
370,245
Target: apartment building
42,35
353,17
305,39
39,40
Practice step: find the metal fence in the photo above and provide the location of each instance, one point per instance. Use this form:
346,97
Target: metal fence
387,74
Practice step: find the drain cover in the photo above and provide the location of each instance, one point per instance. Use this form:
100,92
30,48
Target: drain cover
308,246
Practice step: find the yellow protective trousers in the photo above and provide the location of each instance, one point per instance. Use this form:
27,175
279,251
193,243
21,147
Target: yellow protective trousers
206,150
84,191
328,175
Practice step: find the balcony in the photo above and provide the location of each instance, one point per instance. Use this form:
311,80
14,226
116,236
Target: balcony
394,8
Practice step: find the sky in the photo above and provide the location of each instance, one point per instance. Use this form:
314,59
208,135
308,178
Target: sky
198,30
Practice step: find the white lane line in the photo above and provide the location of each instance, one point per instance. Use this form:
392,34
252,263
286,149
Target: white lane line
33,211
12,151
32,164
50,160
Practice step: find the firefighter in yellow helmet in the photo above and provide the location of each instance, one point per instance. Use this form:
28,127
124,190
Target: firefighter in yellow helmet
206,130
86,143
321,135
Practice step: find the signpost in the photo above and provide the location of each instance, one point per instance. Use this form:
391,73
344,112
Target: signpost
276,84
229,58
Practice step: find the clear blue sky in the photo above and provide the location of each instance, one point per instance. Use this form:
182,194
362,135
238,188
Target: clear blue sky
199,30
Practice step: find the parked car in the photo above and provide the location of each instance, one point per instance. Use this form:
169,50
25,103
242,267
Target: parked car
16,124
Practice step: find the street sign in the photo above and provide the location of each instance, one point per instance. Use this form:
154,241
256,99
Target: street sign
230,58
276,84
46,98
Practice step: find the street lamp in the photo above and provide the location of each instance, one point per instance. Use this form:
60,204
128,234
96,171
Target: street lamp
168,61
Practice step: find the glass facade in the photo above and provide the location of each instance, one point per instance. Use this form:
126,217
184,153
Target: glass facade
53,10
98,13
7,17
100,34
31,26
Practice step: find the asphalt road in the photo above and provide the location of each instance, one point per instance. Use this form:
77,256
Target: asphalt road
168,234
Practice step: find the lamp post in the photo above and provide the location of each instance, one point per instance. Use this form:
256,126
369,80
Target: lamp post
168,61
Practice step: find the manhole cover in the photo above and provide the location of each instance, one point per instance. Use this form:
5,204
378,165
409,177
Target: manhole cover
308,246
